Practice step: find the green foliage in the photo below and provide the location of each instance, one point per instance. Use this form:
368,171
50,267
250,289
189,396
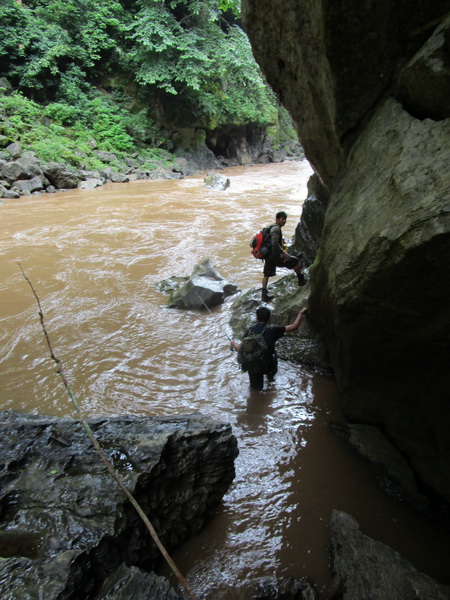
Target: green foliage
62,113
284,129
115,70
108,125
24,120
143,129
47,37
55,149
233,6
189,54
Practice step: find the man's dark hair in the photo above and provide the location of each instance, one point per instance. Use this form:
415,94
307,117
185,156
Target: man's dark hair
263,314
281,214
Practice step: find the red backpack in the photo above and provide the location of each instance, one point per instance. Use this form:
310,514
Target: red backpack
261,243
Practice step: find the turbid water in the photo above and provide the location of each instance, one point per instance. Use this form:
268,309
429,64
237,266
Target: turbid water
95,259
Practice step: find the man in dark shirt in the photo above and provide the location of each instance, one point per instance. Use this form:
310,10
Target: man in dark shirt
279,257
271,334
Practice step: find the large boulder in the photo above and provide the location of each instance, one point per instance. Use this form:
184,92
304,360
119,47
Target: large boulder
14,170
61,176
368,569
367,87
66,524
35,184
205,288
393,471
216,181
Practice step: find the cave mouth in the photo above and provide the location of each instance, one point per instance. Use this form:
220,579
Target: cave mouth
231,142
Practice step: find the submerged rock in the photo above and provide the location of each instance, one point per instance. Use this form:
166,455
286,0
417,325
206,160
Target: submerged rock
66,524
394,473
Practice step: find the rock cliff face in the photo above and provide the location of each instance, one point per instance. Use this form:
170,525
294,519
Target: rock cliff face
368,87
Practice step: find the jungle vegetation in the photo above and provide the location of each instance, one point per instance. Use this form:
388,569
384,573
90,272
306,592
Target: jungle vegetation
125,72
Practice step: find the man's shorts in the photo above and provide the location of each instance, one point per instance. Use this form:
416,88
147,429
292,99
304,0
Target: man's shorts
272,262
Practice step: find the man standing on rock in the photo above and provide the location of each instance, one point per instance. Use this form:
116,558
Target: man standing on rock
259,357
279,257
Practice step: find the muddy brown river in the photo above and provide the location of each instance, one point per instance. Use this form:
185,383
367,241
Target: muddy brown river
95,259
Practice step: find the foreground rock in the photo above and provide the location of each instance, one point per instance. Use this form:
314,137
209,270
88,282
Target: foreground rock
367,569
204,288
367,86
66,526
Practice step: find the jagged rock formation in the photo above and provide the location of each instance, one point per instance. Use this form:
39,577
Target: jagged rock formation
367,86
67,529
366,568
203,289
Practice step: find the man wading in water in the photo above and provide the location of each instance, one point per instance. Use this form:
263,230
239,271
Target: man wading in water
278,257
256,352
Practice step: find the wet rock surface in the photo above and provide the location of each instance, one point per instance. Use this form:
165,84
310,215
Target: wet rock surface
365,568
393,471
204,288
66,524
304,345
216,181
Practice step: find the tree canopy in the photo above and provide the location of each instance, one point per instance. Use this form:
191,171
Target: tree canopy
133,64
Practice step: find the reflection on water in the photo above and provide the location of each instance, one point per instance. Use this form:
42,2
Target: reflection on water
95,259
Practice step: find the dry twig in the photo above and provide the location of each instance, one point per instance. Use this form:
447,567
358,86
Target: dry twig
105,459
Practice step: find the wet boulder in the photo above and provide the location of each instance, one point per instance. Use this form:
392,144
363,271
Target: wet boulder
367,568
127,583
66,524
204,288
216,181
393,471
90,183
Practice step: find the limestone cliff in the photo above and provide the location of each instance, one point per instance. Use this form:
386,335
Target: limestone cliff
368,87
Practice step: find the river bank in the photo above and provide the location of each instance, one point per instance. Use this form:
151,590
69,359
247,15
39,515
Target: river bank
23,174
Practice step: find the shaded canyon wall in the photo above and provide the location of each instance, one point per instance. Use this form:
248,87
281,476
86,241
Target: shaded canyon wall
368,86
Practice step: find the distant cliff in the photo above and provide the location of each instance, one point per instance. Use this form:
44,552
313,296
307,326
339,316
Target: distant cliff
368,86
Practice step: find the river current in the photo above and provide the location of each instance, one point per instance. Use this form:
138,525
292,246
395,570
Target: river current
95,259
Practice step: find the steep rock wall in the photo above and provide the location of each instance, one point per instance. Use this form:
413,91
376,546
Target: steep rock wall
368,87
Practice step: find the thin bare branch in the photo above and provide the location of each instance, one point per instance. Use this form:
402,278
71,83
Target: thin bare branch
105,459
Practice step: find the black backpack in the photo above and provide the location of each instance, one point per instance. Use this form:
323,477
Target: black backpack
254,354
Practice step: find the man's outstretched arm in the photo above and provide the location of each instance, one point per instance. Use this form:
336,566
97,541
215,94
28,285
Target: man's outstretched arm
296,324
